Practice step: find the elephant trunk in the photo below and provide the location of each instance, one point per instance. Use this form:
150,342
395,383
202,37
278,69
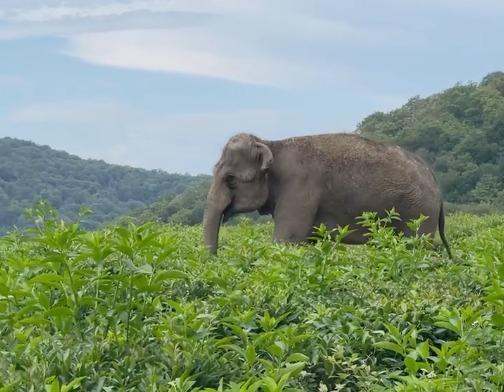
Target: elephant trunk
218,200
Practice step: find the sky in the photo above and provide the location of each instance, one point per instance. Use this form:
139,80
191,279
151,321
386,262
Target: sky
162,84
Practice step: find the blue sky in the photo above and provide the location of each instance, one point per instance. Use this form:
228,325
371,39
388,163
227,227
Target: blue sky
164,83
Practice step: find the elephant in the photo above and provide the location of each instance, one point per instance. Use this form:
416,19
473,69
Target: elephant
328,179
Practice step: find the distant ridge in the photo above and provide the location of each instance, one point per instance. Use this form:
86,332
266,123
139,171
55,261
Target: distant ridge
29,172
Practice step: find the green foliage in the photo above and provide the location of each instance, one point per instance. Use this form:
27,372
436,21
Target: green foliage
460,132
144,307
29,172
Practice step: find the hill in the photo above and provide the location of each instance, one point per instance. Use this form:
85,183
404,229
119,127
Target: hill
460,132
29,172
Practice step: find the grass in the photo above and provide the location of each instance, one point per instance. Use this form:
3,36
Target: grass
146,308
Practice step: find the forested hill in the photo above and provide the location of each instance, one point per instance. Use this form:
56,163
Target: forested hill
460,132
29,172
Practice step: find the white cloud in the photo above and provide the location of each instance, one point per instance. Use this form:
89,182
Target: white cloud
80,9
260,42
37,11
193,51
62,11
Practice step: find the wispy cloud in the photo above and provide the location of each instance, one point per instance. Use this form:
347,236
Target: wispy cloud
62,19
193,51
259,42
37,12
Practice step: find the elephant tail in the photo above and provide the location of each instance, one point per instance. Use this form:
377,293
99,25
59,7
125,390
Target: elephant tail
441,224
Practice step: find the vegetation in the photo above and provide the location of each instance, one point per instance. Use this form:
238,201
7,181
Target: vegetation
146,308
29,172
461,133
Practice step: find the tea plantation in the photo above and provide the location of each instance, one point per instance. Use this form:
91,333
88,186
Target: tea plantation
145,308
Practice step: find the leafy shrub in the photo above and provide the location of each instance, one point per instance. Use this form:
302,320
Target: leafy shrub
146,308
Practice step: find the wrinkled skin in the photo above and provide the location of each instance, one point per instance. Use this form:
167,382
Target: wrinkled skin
331,179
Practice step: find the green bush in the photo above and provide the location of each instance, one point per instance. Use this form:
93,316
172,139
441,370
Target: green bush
146,308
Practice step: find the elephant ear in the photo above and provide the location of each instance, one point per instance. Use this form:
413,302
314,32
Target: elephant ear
264,155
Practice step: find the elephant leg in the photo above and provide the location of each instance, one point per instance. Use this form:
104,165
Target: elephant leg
294,217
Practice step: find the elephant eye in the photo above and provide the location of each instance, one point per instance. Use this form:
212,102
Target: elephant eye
231,181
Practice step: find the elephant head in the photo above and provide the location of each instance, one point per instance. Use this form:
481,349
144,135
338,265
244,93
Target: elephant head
240,184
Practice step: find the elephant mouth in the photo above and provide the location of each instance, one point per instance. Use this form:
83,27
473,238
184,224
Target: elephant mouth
228,213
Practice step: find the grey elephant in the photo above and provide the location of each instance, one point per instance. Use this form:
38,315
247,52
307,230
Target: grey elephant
331,179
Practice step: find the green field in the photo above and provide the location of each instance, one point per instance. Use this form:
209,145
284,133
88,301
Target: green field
144,308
